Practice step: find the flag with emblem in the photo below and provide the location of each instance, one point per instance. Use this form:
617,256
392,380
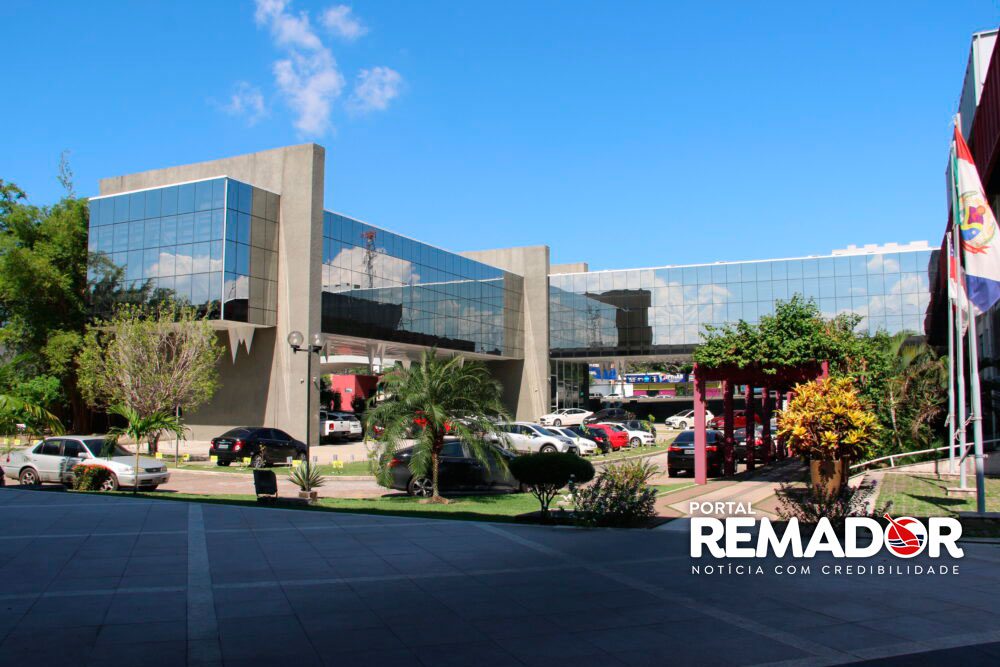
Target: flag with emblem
977,225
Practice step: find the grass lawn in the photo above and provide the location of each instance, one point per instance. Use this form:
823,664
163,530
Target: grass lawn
923,495
350,468
497,507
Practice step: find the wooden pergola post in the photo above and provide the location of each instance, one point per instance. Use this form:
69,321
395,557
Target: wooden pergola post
700,462
730,455
751,435
765,420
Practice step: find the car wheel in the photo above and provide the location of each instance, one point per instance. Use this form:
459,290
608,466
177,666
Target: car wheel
153,487
547,449
110,484
683,426
29,477
420,487
258,462
557,422
635,442
224,464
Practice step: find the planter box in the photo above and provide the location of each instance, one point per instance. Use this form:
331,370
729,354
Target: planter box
828,477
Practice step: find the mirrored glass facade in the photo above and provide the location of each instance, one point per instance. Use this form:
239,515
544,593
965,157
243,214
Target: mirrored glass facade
380,285
662,310
210,244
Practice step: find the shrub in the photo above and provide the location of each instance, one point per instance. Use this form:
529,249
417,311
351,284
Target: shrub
546,474
90,477
828,420
620,496
809,507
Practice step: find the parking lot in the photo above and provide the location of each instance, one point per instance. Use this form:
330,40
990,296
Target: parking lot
94,579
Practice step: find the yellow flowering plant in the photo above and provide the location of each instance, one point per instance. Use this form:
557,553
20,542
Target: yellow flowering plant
828,420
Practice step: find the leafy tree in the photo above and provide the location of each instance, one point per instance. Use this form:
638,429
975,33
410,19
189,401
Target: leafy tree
144,427
453,396
150,359
43,286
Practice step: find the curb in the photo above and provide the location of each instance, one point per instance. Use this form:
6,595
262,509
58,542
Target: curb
342,478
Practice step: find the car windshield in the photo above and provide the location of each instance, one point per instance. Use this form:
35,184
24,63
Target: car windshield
100,447
685,438
236,433
543,431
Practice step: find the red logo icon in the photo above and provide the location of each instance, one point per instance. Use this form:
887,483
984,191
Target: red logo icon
906,537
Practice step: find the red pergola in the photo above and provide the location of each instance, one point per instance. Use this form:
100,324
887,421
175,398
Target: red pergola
779,382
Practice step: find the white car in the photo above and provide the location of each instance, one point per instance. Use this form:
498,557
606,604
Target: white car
638,437
53,460
685,420
585,446
525,437
564,417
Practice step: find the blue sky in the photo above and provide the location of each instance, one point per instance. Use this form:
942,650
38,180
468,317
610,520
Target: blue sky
622,134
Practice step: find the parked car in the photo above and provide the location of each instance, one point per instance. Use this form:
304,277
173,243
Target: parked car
598,436
615,434
263,446
680,456
340,425
457,471
740,437
685,420
564,417
584,445
637,435
719,421
639,425
525,437
53,460
608,415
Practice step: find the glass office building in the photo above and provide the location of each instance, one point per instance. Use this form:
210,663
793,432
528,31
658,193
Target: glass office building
663,310
211,244
380,285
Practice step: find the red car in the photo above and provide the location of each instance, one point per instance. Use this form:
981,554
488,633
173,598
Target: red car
616,436
739,420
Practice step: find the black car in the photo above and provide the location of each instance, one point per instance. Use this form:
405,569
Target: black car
263,446
681,454
608,415
457,471
595,434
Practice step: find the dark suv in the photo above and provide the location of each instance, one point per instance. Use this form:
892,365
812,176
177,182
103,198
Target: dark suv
608,415
458,471
263,446
680,457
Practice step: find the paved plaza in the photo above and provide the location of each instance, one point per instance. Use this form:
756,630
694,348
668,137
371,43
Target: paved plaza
100,580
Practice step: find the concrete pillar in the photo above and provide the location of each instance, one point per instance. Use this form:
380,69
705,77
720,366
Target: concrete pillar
727,397
700,453
526,381
751,439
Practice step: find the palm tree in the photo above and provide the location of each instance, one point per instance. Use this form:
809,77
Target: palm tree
148,428
917,386
14,411
445,396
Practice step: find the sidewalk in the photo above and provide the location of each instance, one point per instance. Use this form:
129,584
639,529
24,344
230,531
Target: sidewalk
753,491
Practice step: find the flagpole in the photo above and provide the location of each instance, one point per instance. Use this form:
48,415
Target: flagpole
951,362
977,417
957,333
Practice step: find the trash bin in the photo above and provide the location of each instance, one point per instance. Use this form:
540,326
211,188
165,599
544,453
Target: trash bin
266,485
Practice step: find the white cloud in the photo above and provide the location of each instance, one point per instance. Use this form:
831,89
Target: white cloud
375,88
307,75
310,83
246,102
340,21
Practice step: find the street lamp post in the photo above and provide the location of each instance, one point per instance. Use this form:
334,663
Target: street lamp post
295,341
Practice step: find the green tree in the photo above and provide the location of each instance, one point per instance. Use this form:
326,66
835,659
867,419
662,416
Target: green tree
150,359
447,396
43,287
15,411
143,428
